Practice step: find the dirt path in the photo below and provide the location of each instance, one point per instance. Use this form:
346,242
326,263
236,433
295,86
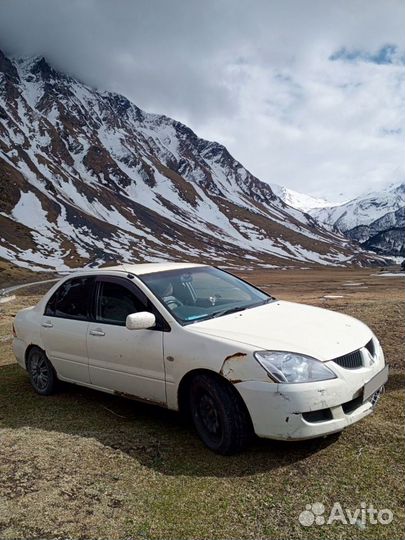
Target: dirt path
7,290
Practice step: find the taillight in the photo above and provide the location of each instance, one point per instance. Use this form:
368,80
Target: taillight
14,332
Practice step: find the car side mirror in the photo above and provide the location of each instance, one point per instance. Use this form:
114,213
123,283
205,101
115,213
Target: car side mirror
140,321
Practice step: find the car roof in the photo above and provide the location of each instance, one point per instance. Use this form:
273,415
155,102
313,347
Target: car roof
144,268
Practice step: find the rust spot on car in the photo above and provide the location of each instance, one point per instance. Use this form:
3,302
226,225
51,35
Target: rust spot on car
229,368
235,355
137,398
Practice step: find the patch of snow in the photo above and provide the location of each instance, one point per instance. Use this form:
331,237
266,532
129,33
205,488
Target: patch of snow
389,274
299,200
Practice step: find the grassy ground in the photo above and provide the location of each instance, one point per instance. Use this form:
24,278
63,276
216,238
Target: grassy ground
82,464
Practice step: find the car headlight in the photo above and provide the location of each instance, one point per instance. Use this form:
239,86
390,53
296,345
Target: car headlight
289,367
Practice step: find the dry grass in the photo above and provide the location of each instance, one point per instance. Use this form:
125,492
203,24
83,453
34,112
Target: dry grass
82,464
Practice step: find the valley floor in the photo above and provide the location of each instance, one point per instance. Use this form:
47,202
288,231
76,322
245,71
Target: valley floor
82,464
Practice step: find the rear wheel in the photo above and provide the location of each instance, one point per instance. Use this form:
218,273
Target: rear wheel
219,414
42,375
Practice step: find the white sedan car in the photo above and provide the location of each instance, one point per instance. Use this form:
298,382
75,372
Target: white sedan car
200,340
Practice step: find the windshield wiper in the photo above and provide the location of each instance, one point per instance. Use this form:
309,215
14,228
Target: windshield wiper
268,301
229,311
235,309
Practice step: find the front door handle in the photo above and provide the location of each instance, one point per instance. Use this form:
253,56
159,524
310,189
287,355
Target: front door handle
97,332
47,324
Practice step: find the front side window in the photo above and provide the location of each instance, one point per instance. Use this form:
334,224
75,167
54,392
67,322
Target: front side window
115,303
71,300
201,293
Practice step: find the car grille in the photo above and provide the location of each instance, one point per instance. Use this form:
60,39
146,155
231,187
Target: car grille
353,360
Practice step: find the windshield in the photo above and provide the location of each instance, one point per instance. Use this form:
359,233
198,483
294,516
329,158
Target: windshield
201,293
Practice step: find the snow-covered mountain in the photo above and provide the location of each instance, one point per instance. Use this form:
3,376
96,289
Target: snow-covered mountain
302,201
376,220
87,177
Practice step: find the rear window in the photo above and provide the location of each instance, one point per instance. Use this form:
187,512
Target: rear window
71,300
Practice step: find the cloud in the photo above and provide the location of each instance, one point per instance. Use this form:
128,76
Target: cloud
275,81
323,127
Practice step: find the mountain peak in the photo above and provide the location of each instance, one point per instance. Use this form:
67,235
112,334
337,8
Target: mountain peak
376,219
302,201
40,66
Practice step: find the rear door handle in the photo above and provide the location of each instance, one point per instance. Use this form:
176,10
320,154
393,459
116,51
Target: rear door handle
97,333
47,324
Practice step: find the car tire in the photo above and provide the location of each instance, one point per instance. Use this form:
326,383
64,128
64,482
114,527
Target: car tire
42,375
219,414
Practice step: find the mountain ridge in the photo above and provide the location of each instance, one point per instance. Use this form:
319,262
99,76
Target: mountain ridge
87,177
375,220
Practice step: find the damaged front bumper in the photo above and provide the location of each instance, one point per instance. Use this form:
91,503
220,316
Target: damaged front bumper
308,410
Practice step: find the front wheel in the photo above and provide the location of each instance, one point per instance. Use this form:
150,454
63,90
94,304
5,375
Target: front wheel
219,415
42,375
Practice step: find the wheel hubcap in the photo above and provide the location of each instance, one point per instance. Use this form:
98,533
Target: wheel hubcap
209,415
39,371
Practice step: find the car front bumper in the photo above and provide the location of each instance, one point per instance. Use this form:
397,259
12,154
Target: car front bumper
308,410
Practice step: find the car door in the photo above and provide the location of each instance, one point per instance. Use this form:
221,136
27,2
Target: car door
64,329
121,360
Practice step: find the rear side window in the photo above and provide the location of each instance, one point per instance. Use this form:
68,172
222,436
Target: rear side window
115,303
71,300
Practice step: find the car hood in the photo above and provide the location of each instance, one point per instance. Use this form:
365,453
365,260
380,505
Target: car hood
287,326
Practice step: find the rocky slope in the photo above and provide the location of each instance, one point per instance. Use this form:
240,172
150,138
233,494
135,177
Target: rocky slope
375,220
86,177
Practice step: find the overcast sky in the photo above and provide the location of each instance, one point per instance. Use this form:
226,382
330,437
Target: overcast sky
305,93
